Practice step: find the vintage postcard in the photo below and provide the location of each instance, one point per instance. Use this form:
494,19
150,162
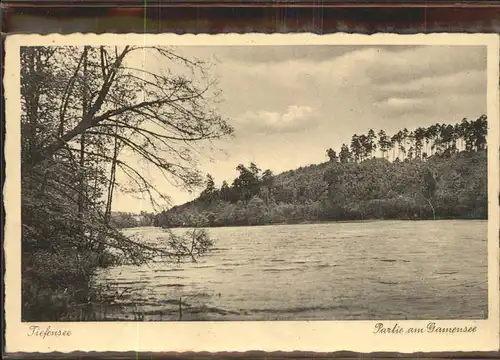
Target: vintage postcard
252,192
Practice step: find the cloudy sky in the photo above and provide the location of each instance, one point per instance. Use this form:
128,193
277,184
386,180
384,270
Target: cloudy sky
288,104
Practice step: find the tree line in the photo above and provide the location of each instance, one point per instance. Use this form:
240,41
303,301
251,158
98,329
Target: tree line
442,178
90,116
124,220
420,143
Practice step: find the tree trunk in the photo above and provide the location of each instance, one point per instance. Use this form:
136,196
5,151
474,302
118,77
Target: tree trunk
32,105
112,181
81,195
433,211
111,189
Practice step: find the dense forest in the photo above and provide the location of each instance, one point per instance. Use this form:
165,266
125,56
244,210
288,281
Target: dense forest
438,172
125,220
86,111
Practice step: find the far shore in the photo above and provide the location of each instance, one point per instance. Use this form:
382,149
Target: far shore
317,223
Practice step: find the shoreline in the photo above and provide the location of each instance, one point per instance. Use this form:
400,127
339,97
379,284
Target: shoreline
327,222
312,223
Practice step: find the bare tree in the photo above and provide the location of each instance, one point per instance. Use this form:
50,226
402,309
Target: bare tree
86,112
171,112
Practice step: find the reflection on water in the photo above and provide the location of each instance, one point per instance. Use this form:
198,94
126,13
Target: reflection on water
335,271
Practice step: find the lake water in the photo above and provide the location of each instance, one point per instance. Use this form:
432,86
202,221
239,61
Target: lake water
334,271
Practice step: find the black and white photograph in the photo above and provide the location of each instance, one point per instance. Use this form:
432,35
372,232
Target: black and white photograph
255,183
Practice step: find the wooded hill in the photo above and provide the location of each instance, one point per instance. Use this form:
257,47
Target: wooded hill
439,172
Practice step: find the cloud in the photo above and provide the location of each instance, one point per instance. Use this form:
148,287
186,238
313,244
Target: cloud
284,53
370,87
430,95
355,77
465,82
403,103
294,118
424,62
396,106
449,108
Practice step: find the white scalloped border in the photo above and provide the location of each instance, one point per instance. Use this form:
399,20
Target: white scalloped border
321,336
